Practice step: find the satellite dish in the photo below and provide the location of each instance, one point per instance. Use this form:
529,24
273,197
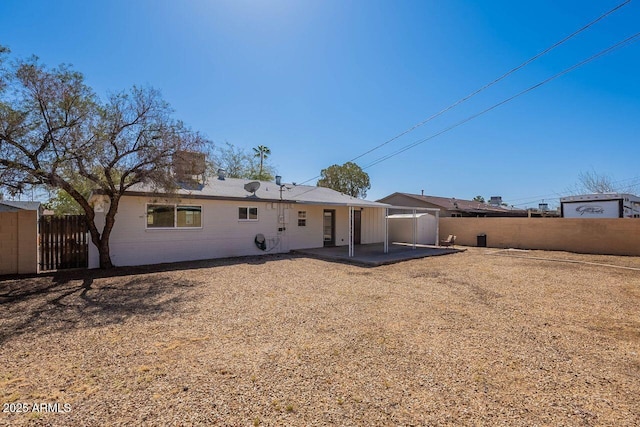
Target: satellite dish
252,187
260,242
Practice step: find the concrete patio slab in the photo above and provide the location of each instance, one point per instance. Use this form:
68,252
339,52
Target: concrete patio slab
372,255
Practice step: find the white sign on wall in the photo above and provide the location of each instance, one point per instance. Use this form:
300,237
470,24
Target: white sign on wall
591,209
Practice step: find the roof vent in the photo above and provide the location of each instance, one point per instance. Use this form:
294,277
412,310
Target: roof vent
495,201
221,174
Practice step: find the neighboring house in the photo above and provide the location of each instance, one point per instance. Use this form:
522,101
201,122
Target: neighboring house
603,205
15,206
451,207
234,217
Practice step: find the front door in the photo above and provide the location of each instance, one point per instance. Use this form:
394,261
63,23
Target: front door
329,228
357,227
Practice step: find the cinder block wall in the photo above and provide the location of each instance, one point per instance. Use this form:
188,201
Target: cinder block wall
593,236
18,242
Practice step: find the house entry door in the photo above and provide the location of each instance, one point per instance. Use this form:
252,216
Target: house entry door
329,227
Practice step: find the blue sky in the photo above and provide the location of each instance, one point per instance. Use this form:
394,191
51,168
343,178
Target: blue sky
321,82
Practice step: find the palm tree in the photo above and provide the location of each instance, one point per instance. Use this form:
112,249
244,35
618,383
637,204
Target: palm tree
263,152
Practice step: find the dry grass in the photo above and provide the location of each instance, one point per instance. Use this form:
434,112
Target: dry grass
464,339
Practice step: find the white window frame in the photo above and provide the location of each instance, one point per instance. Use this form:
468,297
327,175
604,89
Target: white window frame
175,216
248,219
302,216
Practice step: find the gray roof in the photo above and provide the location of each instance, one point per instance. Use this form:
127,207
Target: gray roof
233,189
14,205
452,204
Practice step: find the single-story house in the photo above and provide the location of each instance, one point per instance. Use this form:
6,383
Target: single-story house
450,206
228,217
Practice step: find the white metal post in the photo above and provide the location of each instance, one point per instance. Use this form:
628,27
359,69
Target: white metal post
386,230
437,227
414,229
351,231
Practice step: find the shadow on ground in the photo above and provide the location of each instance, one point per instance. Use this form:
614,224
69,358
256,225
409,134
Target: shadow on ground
59,301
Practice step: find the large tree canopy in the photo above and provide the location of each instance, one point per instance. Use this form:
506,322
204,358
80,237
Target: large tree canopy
56,132
348,179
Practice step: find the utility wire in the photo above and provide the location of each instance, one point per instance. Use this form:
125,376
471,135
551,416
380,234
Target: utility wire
486,86
610,49
626,41
556,196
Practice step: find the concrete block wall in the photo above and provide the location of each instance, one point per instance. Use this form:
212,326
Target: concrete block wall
619,236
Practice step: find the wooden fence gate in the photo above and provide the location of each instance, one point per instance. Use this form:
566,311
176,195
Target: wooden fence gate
63,242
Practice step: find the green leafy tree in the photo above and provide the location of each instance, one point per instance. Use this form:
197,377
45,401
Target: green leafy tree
63,204
348,179
55,132
262,152
239,163
478,199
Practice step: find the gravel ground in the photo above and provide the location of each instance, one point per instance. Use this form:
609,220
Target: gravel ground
464,339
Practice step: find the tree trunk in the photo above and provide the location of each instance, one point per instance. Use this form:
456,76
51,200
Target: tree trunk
101,239
105,256
261,163
109,221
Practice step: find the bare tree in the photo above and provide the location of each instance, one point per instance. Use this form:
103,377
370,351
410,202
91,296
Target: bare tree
593,182
55,132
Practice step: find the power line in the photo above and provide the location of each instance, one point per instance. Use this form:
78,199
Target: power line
488,85
610,49
555,76
528,200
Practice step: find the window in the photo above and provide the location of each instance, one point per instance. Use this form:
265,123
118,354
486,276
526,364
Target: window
302,218
160,216
248,214
189,216
174,216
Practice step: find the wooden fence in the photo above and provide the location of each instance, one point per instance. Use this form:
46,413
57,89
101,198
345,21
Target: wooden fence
63,242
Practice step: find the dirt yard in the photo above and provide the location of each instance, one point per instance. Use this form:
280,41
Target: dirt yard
465,339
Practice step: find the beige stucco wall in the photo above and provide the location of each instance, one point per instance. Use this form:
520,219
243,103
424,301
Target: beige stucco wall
373,229
597,236
222,234
402,229
18,242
